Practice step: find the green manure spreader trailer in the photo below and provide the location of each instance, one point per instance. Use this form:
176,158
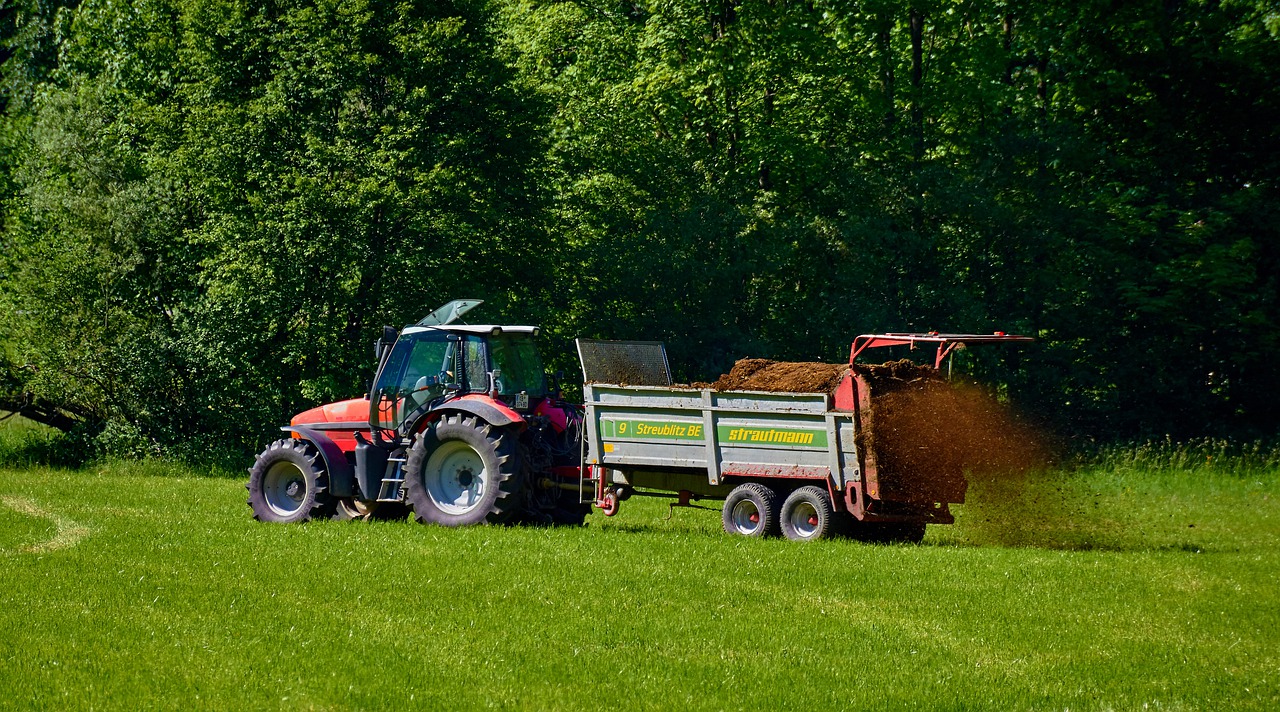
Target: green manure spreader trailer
815,450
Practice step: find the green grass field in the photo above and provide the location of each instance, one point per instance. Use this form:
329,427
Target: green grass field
1134,584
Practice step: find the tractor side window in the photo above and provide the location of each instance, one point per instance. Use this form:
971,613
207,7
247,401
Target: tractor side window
423,380
516,356
385,397
477,364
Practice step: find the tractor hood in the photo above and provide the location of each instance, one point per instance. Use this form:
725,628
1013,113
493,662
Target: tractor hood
354,411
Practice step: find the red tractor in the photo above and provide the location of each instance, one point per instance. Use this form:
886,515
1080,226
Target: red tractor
460,425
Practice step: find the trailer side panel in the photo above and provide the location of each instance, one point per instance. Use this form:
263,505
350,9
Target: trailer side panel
722,434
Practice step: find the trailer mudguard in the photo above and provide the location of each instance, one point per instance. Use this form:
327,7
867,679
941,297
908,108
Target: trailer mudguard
341,480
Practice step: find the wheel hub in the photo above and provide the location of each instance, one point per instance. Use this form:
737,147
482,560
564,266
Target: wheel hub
285,488
746,517
804,520
455,477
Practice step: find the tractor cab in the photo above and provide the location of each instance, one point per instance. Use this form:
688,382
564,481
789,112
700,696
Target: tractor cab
429,364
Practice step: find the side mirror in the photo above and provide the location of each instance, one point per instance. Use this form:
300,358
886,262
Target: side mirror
383,345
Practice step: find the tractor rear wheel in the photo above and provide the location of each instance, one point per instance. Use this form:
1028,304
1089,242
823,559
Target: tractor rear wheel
286,484
807,514
462,471
751,509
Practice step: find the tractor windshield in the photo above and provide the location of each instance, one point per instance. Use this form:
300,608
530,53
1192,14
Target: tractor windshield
420,368
516,357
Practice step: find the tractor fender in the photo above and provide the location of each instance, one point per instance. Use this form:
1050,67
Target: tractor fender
483,407
341,478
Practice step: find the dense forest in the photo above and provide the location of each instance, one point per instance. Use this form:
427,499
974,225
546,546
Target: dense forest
210,207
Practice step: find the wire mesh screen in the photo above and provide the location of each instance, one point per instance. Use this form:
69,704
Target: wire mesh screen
625,363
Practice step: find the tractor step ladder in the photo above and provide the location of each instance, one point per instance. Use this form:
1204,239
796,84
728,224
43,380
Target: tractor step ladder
393,482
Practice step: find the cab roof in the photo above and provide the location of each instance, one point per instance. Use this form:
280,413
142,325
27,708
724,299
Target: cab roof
472,329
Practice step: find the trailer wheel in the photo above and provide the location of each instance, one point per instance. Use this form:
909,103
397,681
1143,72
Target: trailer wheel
462,472
751,510
286,485
807,515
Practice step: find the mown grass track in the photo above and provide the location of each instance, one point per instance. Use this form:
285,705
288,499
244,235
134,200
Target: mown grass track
168,595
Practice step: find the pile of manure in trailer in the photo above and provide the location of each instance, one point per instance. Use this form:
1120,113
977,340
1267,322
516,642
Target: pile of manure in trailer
762,374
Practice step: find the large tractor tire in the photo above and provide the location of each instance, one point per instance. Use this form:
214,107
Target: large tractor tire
751,510
461,472
808,515
287,485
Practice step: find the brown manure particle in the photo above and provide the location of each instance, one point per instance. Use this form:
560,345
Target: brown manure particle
930,425
925,430
761,374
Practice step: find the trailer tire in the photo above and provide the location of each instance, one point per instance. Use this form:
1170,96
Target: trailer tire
462,472
287,485
807,515
751,509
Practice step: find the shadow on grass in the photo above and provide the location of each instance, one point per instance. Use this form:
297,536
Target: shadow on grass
1087,545
1081,534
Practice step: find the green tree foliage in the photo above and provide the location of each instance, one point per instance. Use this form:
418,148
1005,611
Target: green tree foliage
1099,175
212,205
220,204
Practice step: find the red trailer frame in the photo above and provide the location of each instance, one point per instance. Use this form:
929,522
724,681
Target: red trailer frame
947,343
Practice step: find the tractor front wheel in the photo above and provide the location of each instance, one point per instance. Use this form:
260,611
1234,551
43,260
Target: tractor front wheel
462,471
286,485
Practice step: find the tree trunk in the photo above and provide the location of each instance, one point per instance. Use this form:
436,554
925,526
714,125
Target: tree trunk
41,411
884,40
917,89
